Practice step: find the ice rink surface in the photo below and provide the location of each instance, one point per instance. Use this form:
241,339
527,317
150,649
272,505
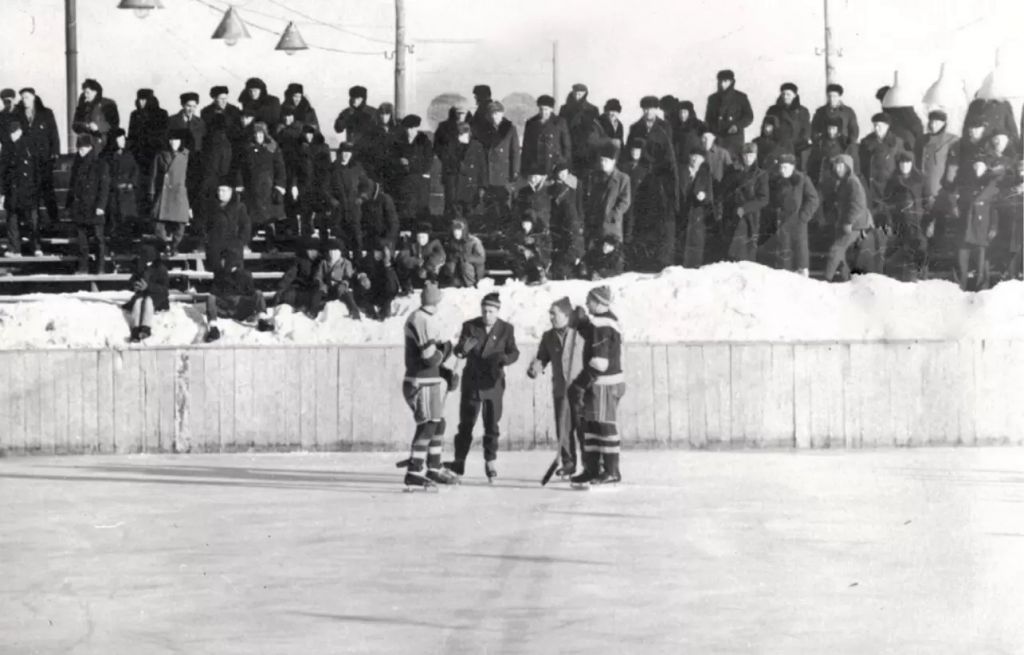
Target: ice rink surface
898,551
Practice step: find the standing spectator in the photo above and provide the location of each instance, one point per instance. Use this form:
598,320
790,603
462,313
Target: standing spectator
262,180
448,150
905,123
659,153
530,250
878,153
792,202
310,188
124,178
794,133
376,282
39,129
356,120
835,109
299,285
580,116
500,140
147,132
150,285
411,160
686,132
378,216
295,97
545,138
697,199
289,136
604,260
229,227
346,176
7,97
482,96
463,166
19,188
420,260
465,258
489,345
220,105
904,197
606,198
87,201
188,119
768,146
852,216
375,147
993,115
233,295
938,154
716,157
566,223
728,113
610,123
334,278
825,149
216,163
973,145
95,115
977,191
562,348
265,108
638,171
743,196
167,188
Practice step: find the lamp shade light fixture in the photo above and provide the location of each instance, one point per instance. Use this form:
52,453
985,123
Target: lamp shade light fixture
231,28
947,91
140,7
291,41
897,95
1001,83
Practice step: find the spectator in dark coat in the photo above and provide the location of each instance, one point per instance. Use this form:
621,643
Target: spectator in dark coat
334,278
530,250
686,131
221,106
768,147
310,185
465,257
95,115
904,197
289,137
376,283
978,192
634,166
792,202
374,149
606,199
346,176
878,153
172,208
378,215
188,119
295,97
535,197
500,140
265,108
938,154
420,260
794,133
825,149
356,120
973,144
446,138
87,201
39,129
463,167
229,227
697,200
546,139
147,132
744,194
835,110
852,215
150,285
906,125
124,178
410,162
482,97
7,97
994,115
604,260
299,285
659,152
566,226
216,162
19,188
261,180
233,295
610,122
580,116
728,113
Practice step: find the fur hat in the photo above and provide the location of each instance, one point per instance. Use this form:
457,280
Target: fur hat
255,83
880,93
601,294
83,141
611,240
92,85
580,87
459,224
347,146
412,121
141,94
357,92
431,294
726,74
333,244
423,228
546,101
181,134
189,96
482,90
293,88
608,149
116,132
787,158
7,93
563,305
938,115
834,121
287,110
218,91
903,156
558,168
491,300
386,108
750,147
613,104
686,104
881,117
649,102
835,88
309,129
495,107
636,143
668,103
789,86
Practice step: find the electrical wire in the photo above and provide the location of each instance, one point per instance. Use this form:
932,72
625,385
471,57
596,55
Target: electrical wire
316,21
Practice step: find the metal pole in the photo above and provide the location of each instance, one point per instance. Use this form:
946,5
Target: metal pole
71,52
554,71
399,58
830,65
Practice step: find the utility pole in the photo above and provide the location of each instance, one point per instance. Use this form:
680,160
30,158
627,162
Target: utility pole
71,52
830,66
554,71
399,58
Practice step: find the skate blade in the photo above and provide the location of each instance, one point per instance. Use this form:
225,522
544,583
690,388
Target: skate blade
414,488
580,486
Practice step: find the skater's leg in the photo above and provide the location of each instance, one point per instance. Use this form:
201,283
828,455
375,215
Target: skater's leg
469,410
426,404
606,432
492,415
436,445
563,428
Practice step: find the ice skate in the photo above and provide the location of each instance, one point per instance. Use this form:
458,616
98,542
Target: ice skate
414,481
491,471
443,476
456,467
565,472
607,479
583,480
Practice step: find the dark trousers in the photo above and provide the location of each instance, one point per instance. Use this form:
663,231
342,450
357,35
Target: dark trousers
837,254
47,192
568,436
469,409
171,231
83,247
31,218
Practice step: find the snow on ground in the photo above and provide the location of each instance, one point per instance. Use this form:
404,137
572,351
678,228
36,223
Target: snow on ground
721,302
897,552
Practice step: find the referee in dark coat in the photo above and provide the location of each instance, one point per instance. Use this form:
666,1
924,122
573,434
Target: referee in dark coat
489,345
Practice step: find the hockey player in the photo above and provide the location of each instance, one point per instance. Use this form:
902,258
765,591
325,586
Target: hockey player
596,391
424,389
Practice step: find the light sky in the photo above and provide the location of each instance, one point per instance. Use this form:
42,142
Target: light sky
619,49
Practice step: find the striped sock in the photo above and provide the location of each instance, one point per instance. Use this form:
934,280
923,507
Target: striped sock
420,444
436,445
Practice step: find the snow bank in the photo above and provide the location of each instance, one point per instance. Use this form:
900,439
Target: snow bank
722,302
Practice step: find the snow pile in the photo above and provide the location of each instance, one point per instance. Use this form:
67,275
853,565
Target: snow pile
722,302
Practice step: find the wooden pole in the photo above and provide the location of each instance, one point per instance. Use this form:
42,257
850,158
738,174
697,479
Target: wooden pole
554,72
830,51
71,52
399,58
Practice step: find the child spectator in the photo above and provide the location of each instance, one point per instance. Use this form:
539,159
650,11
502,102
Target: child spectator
376,282
334,276
464,257
604,259
150,284
299,285
87,201
420,260
234,295
168,189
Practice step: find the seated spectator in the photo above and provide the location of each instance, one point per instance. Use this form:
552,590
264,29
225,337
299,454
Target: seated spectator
464,257
229,225
905,196
233,295
150,284
604,260
376,283
299,285
566,223
977,192
535,197
87,201
168,189
420,260
379,219
124,177
530,251
334,276
20,178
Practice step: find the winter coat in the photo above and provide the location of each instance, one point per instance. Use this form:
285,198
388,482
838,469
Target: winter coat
379,221
304,112
565,354
977,196
6,117
232,117
470,172
344,197
530,253
794,131
289,139
878,162
819,162
994,115
536,200
89,189
313,176
501,145
147,133
334,276
725,110
41,134
216,162
228,228
851,201
464,260
566,222
196,128
167,186
792,200
233,285
355,122
580,118
599,265
615,132
158,283
819,124
545,144
686,139
446,144
124,178
906,125
935,153
20,176
302,274
266,109
374,149
746,188
905,197
487,354
648,210
638,173
768,146
659,152
415,257
102,112
409,183
262,175
693,185
606,201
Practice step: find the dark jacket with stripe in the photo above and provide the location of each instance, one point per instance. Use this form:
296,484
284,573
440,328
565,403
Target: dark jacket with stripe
602,351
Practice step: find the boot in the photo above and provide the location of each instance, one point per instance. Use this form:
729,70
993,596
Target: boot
457,466
212,334
491,471
145,332
414,480
591,462
442,476
134,337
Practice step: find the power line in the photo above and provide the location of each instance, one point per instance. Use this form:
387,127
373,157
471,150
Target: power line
316,21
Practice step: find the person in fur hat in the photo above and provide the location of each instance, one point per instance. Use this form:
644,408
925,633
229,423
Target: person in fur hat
150,285
546,140
220,104
938,154
610,123
561,348
42,139
697,201
878,153
188,119
530,249
411,160
852,216
420,260
912,227
728,113
228,224
168,189
95,115
768,147
686,131
147,130
500,140
264,107
295,97
343,196
376,284
334,277
794,133
792,203
580,117
640,186
534,196
299,286
124,178
978,191
606,197
659,151
88,192
261,181
463,166
465,257
835,110
743,196
604,260
566,226
356,120
379,219
19,189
